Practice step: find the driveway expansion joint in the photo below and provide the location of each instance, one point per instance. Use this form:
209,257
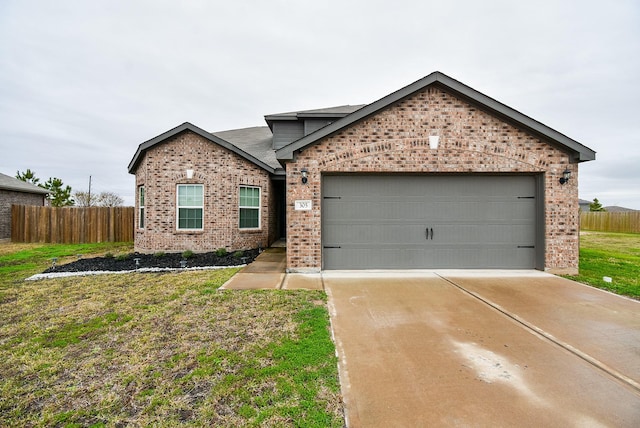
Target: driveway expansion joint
548,336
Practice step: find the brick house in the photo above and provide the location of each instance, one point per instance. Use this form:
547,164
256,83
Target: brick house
434,175
16,192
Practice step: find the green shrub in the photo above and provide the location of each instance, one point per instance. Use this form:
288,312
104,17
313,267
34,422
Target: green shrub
108,256
221,252
159,254
122,257
238,254
187,254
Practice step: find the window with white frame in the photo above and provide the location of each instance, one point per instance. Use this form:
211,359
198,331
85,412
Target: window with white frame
190,206
249,207
141,207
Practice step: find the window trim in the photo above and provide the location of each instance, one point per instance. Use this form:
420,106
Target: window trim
258,208
178,207
141,207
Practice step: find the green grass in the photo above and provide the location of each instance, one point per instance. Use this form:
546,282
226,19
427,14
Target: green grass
22,260
614,255
159,349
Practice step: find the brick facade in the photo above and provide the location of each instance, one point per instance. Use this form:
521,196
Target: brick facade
471,141
221,172
11,197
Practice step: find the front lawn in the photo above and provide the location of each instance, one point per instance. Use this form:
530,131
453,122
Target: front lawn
18,261
613,255
159,349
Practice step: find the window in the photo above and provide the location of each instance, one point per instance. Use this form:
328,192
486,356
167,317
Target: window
190,206
249,207
141,207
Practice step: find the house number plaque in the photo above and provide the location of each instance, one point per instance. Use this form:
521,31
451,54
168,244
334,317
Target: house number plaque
303,205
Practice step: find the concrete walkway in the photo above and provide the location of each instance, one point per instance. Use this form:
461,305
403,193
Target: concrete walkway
267,272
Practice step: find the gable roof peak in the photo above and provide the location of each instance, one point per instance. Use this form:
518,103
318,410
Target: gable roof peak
187,126
580,152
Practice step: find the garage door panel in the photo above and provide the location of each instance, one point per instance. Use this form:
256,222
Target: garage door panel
368,258
383,210
483,234
428,222
355,257
371,233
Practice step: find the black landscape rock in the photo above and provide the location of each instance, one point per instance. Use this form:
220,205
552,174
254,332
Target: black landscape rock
158,260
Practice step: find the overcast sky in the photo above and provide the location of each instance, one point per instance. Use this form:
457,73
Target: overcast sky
83,83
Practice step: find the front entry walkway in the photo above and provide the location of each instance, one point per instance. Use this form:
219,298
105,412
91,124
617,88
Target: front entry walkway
268,272
484,348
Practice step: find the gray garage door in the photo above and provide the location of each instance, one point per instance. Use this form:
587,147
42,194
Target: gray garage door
428,221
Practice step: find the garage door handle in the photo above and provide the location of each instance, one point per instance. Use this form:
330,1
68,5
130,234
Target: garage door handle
426,233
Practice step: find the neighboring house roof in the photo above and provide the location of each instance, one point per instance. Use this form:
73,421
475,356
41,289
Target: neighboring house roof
580,153
11,183
617,209
239,136
612,208
256,141
584,204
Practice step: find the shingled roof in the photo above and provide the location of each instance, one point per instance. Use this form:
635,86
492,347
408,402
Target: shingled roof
256,141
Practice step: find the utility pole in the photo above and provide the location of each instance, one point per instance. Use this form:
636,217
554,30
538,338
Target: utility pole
89,197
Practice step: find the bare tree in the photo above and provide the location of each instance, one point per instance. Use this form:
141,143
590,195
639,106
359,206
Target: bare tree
84,199
109,199
104,199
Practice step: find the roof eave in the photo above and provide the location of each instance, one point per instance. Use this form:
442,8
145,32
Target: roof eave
308,114
40,191
322,115
285,116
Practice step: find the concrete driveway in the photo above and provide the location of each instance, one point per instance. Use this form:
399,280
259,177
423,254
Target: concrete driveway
483,348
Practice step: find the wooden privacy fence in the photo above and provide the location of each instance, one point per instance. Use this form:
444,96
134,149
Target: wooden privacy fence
624,222
71,225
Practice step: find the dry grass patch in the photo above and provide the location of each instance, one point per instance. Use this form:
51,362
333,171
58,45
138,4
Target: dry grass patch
165,349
